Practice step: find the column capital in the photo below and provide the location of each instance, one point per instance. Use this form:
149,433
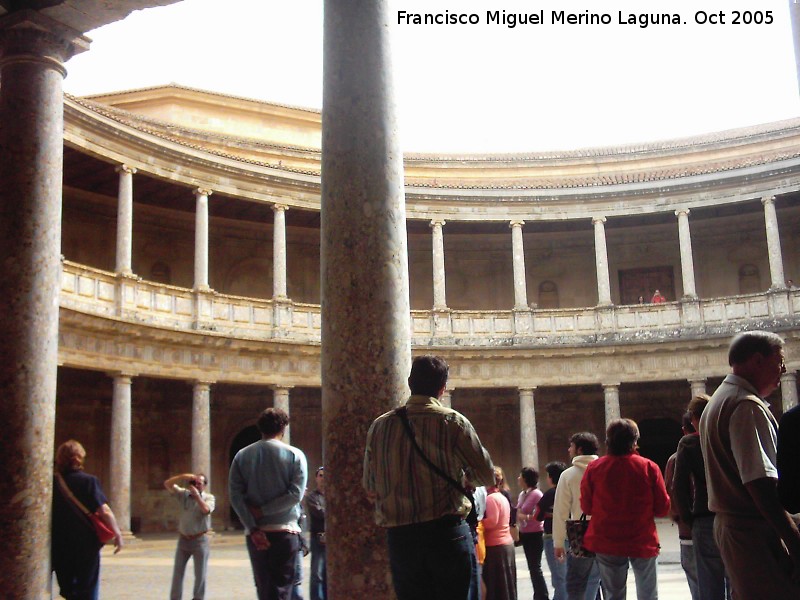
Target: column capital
682,211
610,386
30,36
202,192
527,389
280,207
598,219
129,375
123,168
280,388
516,223
438,223
768,200
202,383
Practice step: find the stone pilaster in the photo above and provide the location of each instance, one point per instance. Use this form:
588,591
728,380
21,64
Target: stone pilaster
527,429
518,258
365,305
280,399
119,497
773,244
201,240
601,262
33,49
201,427
697,386
279,252
789,390
611,398
439,285
687,262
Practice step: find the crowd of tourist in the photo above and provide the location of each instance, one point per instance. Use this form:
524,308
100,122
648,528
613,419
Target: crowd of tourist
733,487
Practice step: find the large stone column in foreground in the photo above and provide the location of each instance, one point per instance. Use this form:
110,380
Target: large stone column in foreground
366,345
33,49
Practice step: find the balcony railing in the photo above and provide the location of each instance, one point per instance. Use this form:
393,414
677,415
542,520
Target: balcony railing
104,294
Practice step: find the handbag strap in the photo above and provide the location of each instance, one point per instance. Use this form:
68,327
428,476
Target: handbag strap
402,412
69,495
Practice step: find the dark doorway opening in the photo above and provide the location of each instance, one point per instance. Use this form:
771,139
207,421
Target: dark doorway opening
245,437
658,439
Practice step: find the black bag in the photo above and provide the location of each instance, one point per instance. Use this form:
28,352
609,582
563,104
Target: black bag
576,529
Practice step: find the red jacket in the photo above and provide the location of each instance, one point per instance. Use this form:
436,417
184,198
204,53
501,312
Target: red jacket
623,494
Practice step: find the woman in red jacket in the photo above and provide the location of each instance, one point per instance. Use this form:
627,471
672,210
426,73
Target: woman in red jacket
624,492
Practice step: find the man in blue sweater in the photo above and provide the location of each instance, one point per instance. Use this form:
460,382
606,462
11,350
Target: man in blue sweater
266,484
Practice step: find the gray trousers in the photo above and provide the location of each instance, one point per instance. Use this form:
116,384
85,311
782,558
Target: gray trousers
197,549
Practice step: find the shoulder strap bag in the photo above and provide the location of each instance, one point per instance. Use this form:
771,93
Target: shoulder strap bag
92,520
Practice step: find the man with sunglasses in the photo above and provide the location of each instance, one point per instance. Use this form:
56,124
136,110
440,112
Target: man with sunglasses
193,526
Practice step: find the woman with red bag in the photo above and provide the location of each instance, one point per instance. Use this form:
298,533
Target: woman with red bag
75,549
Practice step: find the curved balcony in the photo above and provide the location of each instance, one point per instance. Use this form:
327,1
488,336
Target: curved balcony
103,294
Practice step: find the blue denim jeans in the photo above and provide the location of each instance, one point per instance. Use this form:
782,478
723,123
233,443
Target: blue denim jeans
297,587
432,560
711,579
689,565
583,578
614,573
197,550
318,578
558,570
274,568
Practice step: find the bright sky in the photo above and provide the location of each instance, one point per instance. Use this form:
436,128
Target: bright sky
484,87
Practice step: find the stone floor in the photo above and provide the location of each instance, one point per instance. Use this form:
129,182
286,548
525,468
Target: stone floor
143,570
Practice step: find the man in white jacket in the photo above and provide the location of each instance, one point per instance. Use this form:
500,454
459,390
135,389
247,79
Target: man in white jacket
583,574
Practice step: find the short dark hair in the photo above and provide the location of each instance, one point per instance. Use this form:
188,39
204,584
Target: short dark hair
530,476
428,375
554,470
697,405
586,442
273,421
748,343
621,436
686,422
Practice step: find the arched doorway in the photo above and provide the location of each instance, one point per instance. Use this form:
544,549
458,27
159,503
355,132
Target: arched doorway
658,439
245,437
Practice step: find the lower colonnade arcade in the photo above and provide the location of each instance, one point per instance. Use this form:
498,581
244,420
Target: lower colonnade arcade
167,279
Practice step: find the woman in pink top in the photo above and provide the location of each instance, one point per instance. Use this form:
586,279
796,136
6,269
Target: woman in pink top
531,530
499,567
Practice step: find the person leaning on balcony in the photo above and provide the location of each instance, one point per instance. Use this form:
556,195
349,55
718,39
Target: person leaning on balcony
658,298
758,540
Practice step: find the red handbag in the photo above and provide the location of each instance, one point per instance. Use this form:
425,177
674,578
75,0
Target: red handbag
102,531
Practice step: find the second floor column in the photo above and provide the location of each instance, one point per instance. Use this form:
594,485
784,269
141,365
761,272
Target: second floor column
788,390
201,427
201,240
518,257
611,398
280,399
529,445
439,296
601,262
279,252
119,497
125,220
773,243
687,262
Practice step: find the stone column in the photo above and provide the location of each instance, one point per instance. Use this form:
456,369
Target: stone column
611,397
201,427
33,49
201,240
518,257
789,390
773,244
447,398
527,429
280,399
687,262
119,497
365,305
601,262
439,295
698,386
125,220
279,252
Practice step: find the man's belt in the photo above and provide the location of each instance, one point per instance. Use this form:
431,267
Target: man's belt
194,536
